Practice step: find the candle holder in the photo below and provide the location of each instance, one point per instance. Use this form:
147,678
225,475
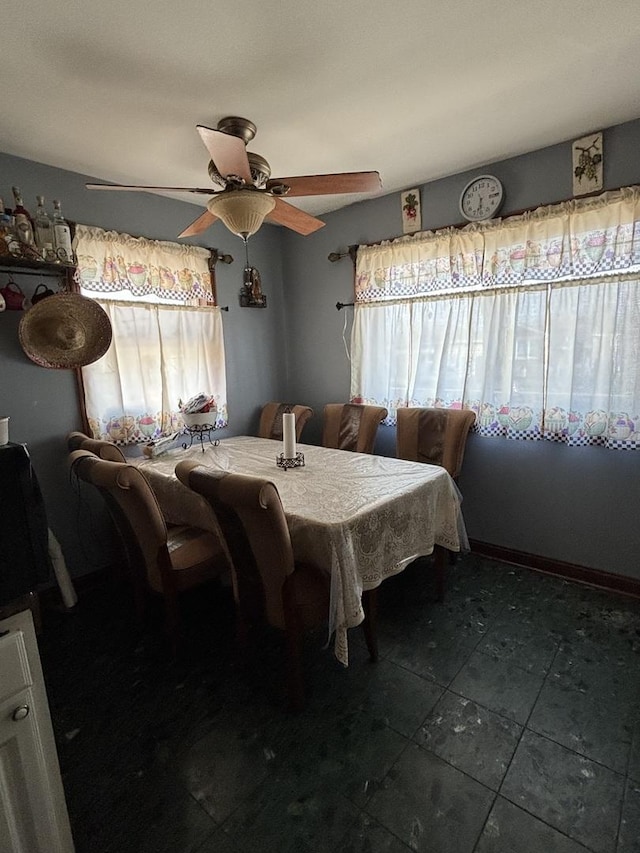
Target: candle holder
200,432
296,461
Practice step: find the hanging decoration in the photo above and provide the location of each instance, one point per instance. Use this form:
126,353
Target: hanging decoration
411,215
587,164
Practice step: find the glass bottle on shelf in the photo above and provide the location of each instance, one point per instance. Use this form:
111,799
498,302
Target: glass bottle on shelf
44,231
61,235
9,245
22,221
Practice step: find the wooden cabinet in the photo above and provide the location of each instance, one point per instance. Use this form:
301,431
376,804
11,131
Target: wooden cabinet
33,812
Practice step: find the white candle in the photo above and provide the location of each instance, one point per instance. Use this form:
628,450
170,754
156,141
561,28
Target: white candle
289,435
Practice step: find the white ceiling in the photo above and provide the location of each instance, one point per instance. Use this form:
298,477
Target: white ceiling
415,89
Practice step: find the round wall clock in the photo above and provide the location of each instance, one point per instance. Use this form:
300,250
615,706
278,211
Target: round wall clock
481,198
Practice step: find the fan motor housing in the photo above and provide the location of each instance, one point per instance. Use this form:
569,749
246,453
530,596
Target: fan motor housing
260,172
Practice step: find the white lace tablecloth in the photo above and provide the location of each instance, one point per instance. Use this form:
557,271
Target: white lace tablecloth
361,517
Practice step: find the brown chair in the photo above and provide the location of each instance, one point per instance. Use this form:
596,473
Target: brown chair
165,562
434,436
295,595
271,419
102,449
348,426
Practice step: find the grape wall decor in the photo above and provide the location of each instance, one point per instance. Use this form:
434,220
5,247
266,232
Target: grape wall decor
587,164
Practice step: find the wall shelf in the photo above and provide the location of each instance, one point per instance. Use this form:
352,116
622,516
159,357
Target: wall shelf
29,266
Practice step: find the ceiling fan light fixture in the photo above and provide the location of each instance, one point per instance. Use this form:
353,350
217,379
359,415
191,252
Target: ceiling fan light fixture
242,211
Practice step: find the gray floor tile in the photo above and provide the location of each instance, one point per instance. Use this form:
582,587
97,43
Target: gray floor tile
430,805
512,830
224,767
219,842
350,753
519,639
367,836
601,662
629,839
471,738
573,794
213,725
383,690
292,814
597,726
437,656
151,813
499,686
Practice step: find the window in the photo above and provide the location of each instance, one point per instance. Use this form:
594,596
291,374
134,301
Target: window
167,334
534,322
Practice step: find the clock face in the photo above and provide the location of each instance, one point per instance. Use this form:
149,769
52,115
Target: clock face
481,198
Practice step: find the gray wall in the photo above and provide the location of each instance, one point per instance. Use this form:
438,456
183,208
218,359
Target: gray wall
43,404
579,505
574,504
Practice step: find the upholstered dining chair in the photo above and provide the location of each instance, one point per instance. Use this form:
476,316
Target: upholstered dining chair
164,562
271,419
434,436
348,426
295,595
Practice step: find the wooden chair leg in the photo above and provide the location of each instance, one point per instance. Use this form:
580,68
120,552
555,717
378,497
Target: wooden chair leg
369,626
441,571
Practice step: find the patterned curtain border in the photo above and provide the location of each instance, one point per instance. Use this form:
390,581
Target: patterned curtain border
111,262
575,239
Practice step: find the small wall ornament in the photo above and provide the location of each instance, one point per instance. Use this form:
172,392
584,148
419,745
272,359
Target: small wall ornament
587,164
251,295
411,215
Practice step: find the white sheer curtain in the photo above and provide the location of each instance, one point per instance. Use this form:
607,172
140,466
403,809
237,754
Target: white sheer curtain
557,361
159,355
164,348
526,322
594,362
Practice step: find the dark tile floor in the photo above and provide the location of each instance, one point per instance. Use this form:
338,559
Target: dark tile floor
505,720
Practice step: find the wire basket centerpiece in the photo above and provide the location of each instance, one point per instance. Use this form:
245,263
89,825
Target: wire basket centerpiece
199,415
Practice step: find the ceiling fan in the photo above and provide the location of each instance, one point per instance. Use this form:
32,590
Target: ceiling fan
244,193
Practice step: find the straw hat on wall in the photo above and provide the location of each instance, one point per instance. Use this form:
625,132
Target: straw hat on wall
65,330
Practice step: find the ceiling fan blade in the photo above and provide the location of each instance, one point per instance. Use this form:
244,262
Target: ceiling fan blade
124,188
228,153
341,182
199,225
294,218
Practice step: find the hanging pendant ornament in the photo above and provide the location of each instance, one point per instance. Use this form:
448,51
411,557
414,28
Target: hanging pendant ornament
251,295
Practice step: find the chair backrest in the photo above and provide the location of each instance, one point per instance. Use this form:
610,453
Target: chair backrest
434,436
271,419
250,512
75,439
247,583
348,426
133,504
103,449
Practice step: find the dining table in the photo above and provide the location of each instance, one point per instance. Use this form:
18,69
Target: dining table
360,517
